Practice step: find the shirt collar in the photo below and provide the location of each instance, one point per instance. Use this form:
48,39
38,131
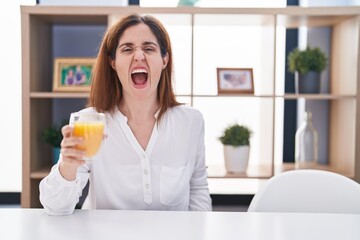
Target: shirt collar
119,114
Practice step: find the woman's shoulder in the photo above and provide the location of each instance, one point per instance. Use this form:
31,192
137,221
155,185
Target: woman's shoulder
88,110
186,112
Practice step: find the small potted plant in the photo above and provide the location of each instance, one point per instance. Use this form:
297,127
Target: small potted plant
52,135
307,65
236,141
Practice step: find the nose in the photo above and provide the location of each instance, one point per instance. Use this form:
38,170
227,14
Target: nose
139,55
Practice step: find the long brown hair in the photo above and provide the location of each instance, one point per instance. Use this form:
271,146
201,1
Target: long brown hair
106,90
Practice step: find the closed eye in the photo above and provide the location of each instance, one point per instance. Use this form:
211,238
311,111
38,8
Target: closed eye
127,49
149,49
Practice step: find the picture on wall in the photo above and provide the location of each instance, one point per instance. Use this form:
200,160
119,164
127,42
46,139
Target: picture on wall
235,80
72,74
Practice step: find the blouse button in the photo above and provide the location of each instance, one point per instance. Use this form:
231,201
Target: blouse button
146,172
147,185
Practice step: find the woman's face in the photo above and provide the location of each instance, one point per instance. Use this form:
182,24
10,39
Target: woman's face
138,62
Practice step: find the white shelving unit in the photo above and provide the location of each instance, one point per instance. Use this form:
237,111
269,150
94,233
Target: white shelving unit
195,44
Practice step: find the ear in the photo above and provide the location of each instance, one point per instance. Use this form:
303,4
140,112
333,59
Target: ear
165,60
112,62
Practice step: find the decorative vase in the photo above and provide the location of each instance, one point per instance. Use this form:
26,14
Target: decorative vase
236,158
306,144
307,83
56,154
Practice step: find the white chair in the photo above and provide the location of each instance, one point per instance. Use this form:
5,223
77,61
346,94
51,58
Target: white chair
308,191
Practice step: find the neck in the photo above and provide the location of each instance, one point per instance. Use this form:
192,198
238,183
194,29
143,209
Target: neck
139,111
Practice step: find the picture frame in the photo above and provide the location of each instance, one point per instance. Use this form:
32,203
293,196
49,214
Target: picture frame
235,80
72,74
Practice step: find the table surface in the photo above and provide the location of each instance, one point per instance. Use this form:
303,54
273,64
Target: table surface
117,224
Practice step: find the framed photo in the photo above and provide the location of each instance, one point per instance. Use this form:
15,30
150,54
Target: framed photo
235,80
72,74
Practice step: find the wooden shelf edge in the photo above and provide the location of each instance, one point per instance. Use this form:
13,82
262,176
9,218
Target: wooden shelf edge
279,168
317,96
106,10
253,171
86,95
285,96
59,95
265,171
40,174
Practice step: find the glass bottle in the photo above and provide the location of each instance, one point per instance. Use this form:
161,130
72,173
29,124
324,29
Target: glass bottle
306,144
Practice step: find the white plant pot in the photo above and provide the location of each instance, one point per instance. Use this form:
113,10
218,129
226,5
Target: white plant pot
236,158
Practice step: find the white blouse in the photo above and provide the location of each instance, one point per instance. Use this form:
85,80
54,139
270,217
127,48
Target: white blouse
169,175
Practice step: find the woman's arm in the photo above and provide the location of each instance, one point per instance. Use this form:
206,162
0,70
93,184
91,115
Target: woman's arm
60,196
199,192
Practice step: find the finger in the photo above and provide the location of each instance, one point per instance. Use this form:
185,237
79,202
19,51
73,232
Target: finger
72,153
73,161
66,131
71,142
105,136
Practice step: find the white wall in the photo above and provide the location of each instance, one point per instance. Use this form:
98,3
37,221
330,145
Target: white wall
10,95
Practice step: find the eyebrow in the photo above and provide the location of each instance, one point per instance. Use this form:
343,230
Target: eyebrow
146,43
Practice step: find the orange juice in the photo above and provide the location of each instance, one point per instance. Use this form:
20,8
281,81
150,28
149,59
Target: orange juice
92,134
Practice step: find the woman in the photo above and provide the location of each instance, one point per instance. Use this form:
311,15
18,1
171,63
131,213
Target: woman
153,157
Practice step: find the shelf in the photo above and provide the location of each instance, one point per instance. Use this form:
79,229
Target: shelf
214,171
40,174
286,96
234,95
317,96
59,95
262,171
310,21
253,171
218,171
86,95
291,166
73,11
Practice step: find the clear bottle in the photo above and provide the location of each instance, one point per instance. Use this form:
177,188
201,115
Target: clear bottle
306,144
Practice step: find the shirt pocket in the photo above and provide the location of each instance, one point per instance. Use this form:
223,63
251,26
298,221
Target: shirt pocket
174,185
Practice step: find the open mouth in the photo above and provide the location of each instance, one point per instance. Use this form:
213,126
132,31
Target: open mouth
139,76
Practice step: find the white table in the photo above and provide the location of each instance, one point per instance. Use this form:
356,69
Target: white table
115,224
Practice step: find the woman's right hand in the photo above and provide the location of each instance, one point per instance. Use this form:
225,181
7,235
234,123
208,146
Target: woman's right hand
71,158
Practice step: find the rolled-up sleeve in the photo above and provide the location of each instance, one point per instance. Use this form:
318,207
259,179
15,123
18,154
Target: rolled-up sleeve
60,196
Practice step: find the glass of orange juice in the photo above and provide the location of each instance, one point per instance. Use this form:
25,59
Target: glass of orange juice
90,127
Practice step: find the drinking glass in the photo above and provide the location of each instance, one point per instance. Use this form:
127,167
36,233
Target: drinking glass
90,127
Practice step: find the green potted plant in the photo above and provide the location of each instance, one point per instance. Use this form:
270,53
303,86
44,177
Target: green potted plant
236,142
307,65
52,135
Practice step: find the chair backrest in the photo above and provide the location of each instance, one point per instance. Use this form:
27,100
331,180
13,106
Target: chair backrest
308,191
